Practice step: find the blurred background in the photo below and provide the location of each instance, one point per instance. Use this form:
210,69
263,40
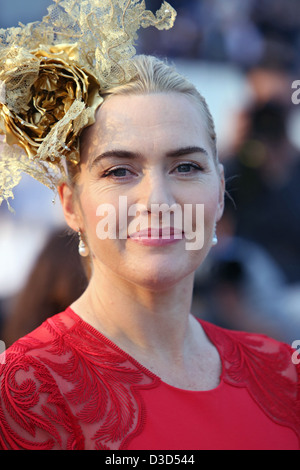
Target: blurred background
243,57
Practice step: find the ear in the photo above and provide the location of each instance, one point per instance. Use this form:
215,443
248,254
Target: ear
70,206
221,202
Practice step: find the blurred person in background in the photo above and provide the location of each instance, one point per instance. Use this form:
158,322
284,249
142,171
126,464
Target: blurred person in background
266,186
58,277
23,233
263,174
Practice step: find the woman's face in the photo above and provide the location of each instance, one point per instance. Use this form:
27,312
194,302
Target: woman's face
149,193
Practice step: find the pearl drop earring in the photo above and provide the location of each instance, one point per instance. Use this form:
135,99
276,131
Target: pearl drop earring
215,238
83,249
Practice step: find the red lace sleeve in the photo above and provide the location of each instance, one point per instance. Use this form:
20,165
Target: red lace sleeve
33,413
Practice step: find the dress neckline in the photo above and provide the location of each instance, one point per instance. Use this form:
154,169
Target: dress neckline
69,311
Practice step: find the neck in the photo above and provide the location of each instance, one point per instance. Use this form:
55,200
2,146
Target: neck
136,317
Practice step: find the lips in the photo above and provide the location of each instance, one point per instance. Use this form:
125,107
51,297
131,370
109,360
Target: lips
164,233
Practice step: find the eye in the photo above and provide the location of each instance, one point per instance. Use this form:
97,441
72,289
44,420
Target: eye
188,168
118,173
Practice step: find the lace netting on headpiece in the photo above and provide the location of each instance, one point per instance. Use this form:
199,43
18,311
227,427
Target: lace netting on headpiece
52,73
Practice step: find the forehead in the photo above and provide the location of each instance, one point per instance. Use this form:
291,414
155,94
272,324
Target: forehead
146,123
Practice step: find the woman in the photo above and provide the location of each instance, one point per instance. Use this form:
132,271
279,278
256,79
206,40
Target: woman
127,366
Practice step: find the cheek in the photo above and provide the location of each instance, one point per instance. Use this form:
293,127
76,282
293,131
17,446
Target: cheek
89,207
102,214
203,199
211,209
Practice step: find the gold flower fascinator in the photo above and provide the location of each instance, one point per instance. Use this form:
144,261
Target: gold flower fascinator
52,74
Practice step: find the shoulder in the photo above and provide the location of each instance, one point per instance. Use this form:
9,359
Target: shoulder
32,407
260,350
267,368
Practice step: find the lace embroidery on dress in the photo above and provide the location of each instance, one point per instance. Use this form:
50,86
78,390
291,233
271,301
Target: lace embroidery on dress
264,366
106,384
75,386
33,413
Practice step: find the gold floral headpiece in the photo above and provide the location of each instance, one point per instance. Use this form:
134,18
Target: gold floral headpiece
51,77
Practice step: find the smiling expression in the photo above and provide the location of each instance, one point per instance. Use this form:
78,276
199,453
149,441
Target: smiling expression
154,150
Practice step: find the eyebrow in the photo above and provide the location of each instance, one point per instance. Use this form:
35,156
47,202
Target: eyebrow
127,154
186,151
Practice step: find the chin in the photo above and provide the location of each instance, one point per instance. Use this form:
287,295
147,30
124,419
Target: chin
158,284
159,277
153,271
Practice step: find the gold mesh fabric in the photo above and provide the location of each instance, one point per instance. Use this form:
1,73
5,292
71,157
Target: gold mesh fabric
51,77
15,162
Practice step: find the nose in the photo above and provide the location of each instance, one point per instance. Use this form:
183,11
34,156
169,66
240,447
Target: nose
157,191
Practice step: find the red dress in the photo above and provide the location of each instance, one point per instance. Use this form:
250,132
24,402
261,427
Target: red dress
66,386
